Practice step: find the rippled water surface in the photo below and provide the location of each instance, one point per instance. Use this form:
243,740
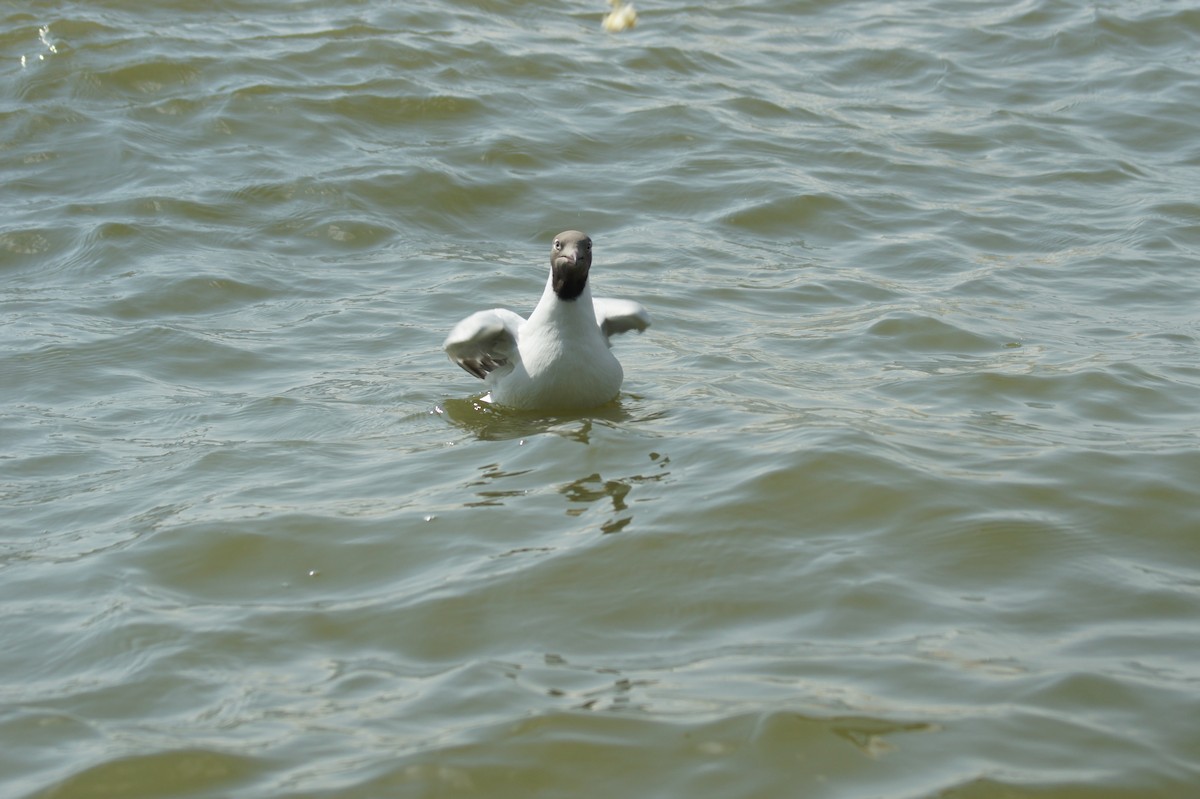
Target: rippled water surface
901,497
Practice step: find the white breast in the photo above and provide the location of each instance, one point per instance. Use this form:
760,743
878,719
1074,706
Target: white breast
559,357
564,360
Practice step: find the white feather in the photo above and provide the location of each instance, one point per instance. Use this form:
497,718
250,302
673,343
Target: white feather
558,358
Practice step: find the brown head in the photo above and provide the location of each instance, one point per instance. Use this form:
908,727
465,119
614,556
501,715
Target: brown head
570,260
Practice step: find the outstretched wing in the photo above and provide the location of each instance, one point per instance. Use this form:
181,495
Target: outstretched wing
620,316
484,341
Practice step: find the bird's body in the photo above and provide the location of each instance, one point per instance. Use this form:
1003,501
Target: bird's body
559,357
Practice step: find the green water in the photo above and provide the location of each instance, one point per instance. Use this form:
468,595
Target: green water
901,497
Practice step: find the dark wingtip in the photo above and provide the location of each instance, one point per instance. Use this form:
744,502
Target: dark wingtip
482,366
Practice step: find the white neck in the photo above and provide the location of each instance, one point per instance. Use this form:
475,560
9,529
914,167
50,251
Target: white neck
552,309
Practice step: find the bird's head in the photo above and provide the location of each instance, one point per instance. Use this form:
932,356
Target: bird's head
570,259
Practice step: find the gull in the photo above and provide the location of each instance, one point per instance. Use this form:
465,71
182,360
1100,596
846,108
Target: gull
558,358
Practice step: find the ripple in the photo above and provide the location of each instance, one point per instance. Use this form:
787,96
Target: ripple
174,770
27,242
899,496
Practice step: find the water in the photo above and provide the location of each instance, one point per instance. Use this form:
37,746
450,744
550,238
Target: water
899,498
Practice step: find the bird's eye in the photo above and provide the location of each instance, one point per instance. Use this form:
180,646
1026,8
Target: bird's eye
557,244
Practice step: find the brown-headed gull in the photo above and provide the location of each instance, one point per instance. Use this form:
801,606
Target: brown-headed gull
559,357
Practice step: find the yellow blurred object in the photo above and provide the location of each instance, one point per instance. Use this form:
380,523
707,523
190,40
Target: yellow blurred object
620,18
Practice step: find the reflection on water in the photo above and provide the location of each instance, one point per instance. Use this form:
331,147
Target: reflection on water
594,488
495,485
491,422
